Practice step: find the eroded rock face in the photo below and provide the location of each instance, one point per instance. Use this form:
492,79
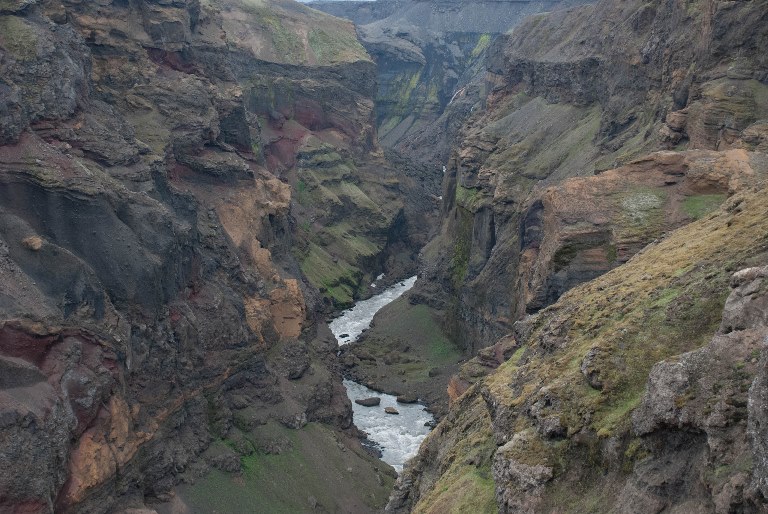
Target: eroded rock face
712,393
619,391
149,302
427,54
568,97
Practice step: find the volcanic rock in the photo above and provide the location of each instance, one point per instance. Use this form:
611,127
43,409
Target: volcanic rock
368,402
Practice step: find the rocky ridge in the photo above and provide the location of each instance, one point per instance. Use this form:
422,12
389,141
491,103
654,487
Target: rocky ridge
155,324
617,397
584,259
428,55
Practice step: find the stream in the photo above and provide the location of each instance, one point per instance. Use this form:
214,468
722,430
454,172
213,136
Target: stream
397,435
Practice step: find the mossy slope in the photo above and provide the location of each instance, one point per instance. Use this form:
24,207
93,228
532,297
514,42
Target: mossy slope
583,365
300,472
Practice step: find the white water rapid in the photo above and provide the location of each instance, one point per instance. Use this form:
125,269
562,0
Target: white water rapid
398,435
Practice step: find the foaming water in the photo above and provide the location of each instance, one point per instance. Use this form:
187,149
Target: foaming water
348,327
398,435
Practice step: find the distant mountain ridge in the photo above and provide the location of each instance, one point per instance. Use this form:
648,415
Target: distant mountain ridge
429,55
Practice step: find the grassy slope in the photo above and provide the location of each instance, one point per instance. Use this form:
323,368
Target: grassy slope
289,32
665,301
312,468
406,343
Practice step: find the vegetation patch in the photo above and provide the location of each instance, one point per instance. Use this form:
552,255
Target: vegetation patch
334,277
336,46
400,325
698,206
303,476
351,244
287,44
468,197
482,44
467,486
461,249
18,38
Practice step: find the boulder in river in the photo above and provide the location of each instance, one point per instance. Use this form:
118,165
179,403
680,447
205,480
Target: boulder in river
369,402
407,398
391,410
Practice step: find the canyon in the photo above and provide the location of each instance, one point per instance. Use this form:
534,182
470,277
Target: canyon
190,189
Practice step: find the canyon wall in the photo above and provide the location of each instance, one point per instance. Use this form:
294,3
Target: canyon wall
602,253
428,54
570,96
167,170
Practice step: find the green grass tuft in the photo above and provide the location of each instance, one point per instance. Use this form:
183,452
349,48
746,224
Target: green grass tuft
699,206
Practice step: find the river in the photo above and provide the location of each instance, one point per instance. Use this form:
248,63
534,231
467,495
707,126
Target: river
398,435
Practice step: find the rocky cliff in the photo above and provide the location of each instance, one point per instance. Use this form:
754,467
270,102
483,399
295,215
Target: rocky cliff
167,170
569,96
595,213
632,393
427,55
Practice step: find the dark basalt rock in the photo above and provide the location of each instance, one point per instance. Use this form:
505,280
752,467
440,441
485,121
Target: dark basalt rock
368,402
149,301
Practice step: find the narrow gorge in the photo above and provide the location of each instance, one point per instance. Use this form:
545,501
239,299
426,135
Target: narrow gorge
194,193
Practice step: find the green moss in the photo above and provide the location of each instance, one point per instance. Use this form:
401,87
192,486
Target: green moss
666,297
515,359
466,486
302,194
313,468
336,46
461,249
469,198
482,44
358,197
614,416
350,243
389,124
334,277
399,95
636,450
18,38
256,150
699,206
432,93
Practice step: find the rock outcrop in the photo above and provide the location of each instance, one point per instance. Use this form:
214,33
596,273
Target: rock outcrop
428,54
595,212
154,320
569,96
618,397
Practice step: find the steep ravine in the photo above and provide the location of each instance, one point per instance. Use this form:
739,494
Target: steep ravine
176,184
428,55
595,211
189,188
